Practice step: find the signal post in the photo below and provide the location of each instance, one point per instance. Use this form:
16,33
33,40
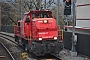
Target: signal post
74,37
67,11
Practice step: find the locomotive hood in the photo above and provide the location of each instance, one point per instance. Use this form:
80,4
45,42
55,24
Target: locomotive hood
46,28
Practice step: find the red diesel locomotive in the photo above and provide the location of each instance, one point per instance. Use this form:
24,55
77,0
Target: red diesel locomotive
38,33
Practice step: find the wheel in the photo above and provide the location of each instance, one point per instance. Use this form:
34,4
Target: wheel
25,45
26,48
16,38
20,41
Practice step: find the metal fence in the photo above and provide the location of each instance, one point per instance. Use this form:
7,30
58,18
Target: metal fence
83,43
7,28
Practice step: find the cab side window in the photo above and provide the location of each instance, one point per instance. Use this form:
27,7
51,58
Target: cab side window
18,23
28,19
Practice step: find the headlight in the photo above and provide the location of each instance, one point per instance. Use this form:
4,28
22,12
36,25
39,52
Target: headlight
40,38
45,21
55,38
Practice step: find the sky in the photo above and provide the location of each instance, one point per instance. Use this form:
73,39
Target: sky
55,1
7,0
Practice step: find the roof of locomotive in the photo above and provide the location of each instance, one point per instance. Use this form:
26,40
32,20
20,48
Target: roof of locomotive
36,11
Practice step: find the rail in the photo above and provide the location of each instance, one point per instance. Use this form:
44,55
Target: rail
8,38
7,51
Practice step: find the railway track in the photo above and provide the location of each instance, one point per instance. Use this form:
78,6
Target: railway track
4,53
65,55
46,57
8,37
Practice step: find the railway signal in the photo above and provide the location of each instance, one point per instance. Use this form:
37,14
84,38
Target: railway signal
67,9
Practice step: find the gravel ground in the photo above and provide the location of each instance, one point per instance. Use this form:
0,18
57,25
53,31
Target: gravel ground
66,55
3,53
14,49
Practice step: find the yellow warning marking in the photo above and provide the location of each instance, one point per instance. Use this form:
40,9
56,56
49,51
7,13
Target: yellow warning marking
48,59
62,34
24,55
2,56
30,35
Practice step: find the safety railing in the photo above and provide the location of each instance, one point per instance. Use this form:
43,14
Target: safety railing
60,33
